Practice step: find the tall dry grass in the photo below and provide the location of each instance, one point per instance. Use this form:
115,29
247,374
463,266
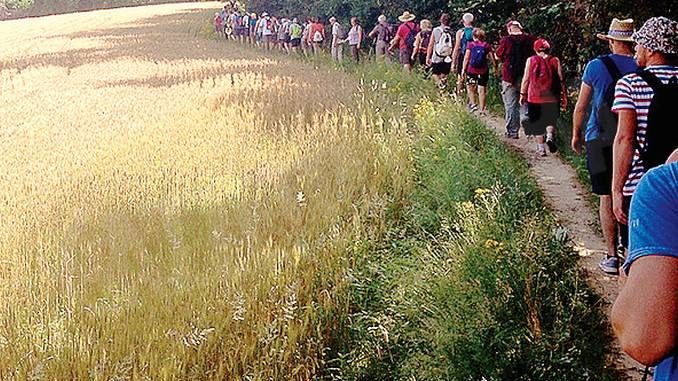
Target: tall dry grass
171,208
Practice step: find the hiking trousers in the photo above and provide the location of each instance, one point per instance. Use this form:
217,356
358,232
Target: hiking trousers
381,51
515,114
337,52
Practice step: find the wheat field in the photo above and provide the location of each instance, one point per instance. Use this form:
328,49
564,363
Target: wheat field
172,207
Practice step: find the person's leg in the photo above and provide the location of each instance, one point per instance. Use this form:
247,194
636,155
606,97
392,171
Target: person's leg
472,89
333,52
482,94
510,96
608,225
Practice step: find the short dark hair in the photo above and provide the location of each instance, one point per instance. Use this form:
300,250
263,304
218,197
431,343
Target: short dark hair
445,19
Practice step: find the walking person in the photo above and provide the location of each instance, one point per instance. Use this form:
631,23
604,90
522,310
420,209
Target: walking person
645,314
477,70
542,89
306,46
404,39
513,52
355,38
421,42
461,40
645,103
382,33
316,36
253,28
338,36
597,89
295,35
439,52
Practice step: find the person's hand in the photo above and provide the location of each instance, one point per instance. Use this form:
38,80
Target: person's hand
523,99
429,62
618,208
576,144
563,103
454,68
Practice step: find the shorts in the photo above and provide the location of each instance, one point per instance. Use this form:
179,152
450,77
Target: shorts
599,165
478,79
541,115
624,229
295,42
406,56
441,68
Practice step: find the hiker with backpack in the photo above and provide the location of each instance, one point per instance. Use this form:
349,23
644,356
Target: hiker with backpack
267,31
338,36
404,39
477,70
439,53
645,103
542,89
513,52
316,36
382,34
421,43
461,40
645,314
598,83
252,29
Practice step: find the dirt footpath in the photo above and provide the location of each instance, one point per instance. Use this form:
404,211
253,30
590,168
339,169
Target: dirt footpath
566,197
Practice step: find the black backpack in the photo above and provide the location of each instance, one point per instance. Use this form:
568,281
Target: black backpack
520,52
607,120
661,135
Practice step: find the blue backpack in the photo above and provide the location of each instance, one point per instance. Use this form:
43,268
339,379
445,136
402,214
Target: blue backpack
466,38
479,56
411,36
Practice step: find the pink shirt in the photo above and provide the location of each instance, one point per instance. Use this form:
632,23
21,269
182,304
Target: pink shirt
482,70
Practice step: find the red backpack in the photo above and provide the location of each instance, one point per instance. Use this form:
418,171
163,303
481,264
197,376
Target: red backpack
544,78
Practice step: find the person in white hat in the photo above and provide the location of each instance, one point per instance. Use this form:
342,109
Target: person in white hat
404,39
597,89
462,38
382,33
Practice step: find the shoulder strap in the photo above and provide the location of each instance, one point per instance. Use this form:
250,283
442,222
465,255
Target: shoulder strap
651,79
611,68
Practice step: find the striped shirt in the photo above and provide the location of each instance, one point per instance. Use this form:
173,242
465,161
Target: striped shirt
633,93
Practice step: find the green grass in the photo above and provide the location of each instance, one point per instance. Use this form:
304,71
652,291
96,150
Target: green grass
471,277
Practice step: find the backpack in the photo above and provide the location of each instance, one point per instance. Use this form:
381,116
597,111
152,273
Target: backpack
466,37
607,120
445,45
388,33
425,39
544,79
411,37
317,36
478,55
661,136
341,34
520,51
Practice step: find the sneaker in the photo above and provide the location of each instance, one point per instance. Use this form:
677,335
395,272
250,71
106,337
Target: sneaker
472,107
551,144
511,135
541,152
610,265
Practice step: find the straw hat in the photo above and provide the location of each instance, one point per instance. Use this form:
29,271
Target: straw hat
620,30
406,16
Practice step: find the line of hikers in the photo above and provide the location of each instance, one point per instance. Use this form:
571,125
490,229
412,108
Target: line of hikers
625,118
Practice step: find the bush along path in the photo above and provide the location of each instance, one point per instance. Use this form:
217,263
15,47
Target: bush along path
471,277
565,195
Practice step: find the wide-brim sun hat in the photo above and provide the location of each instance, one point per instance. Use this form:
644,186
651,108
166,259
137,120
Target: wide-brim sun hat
658,34
620,30
406,16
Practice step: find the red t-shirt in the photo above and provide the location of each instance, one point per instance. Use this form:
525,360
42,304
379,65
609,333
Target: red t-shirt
403,31
316,27
481,70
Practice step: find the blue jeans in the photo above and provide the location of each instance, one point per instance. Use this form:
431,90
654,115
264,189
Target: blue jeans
515,113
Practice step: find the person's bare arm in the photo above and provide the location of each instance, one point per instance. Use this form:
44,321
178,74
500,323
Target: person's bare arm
645,315
621,164
525,83
464,66
429,50
394,43
457,50
360,36
417,45
585,92
493,61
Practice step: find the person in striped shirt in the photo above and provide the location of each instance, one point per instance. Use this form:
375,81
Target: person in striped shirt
657,52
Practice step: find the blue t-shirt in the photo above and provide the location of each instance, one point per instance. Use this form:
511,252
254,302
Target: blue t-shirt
653,230
597,76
